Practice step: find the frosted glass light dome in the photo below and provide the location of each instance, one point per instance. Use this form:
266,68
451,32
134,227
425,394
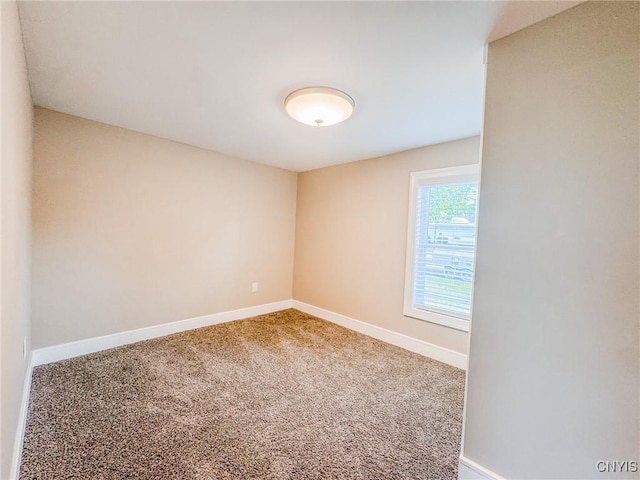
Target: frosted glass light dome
319,106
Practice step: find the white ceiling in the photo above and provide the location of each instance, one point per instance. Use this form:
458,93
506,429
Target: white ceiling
214,74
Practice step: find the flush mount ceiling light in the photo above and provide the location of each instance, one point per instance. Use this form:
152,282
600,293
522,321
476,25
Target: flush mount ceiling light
319,106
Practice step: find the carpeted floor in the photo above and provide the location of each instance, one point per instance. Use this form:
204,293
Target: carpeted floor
280,396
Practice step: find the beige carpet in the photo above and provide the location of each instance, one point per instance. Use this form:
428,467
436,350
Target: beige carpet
280,396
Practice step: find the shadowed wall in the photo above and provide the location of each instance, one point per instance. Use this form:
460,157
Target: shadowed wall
15,203
553,364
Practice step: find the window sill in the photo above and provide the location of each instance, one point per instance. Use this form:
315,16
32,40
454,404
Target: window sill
437,318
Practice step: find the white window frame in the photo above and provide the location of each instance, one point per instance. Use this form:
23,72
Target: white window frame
440,176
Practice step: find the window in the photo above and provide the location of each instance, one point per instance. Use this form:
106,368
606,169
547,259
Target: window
441,245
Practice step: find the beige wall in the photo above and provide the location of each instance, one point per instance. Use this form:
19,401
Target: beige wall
553,373
351,236
131,230
15,200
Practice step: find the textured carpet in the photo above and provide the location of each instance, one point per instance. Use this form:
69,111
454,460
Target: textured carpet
279,396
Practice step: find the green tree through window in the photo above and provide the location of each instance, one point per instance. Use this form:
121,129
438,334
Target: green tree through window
449,201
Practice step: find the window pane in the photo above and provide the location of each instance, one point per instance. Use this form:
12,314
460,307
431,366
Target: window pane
445,241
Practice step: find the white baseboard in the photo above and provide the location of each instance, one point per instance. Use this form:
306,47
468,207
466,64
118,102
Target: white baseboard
421,347
470,470
56,353
22,422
